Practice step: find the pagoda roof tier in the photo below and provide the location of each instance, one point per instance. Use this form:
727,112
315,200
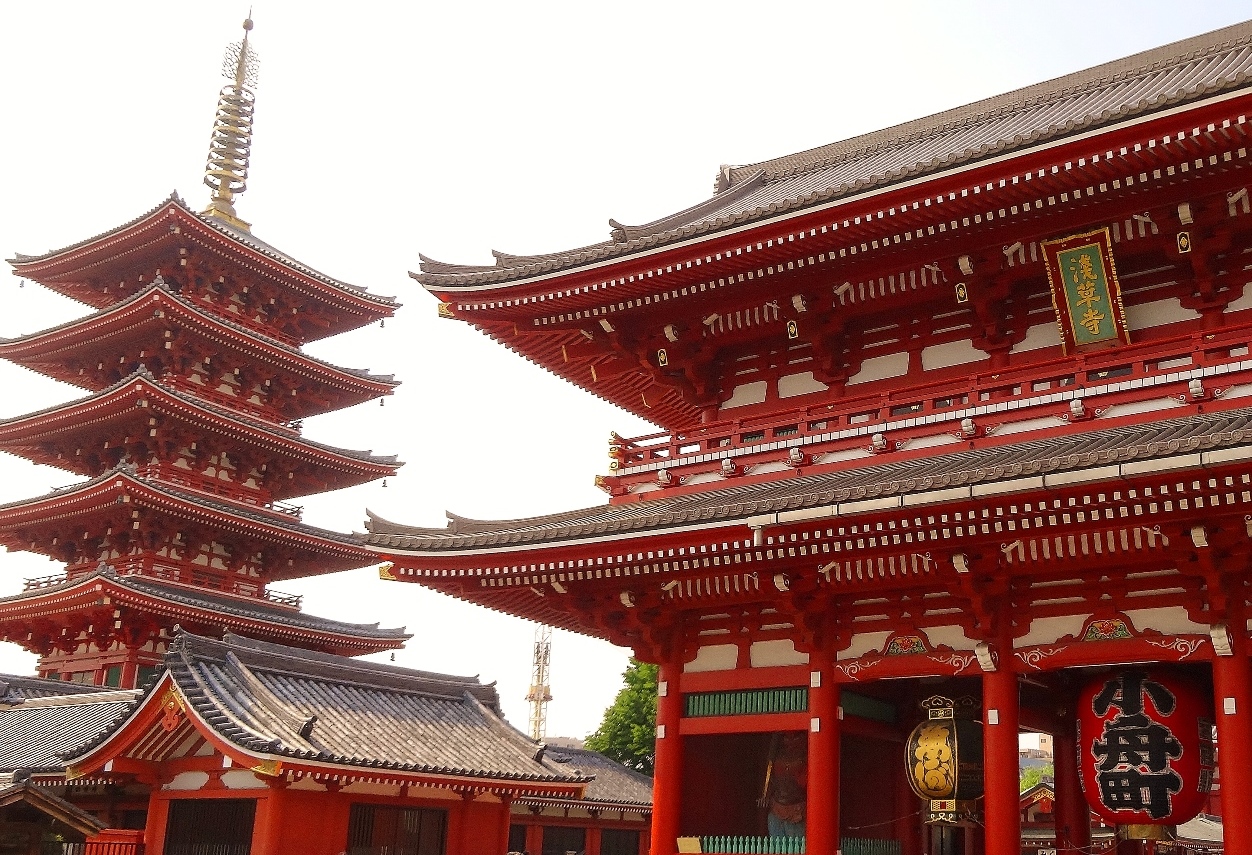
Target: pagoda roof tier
296,711
173,604
117,498
141,409
145,321
1163,78
169,234
545,568
665,320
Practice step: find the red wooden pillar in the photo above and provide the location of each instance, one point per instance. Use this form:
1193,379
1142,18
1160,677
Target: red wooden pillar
534,838
593,840
668,764
822,822
130,669
1072,816
1000,775
267,835
1232,699
506,819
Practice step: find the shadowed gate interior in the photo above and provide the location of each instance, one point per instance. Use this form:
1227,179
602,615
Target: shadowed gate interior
210,827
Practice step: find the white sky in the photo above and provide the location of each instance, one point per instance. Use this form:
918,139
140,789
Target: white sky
453,128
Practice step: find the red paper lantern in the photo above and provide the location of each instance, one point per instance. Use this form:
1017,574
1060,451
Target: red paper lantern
1145,747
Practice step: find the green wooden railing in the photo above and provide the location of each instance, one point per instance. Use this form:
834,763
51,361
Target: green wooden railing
727,845
747,702
869,846
752,845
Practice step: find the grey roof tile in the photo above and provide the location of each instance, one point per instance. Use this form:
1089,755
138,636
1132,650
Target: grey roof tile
1149,82
1093,446
37,733
183,595
310,706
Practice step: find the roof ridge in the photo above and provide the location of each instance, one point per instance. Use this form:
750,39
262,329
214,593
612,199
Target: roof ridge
244,239
1073,83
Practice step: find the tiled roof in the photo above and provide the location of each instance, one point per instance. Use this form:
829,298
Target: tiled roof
36,734
317,707
129,472
1091,447
294,353
614,783
289,435
16,689
1159,79
52,806
244,238
228,607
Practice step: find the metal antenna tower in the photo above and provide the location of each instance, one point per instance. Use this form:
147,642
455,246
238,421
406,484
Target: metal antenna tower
540,692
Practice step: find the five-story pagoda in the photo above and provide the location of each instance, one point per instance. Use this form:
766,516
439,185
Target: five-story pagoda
190,434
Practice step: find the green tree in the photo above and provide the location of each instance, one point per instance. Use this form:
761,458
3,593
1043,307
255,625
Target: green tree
1033,775
628,732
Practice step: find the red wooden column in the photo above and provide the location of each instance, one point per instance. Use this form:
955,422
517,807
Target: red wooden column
506,806
534,837
1000,776
822,821
130,669
1072,816
668,764
1232,700
268,835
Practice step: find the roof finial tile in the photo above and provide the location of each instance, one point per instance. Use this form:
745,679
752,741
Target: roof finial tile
230,146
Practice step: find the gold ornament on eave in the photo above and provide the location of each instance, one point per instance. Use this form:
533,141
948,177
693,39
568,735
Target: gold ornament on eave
230,146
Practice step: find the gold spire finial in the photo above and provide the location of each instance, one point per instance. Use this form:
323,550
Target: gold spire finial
230,146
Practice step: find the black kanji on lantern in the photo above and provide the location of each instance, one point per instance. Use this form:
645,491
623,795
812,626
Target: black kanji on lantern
1135,790
1135,752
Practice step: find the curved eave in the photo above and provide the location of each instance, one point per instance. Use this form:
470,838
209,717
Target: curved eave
65,270
127,399
632,391
248,752
1124,79
56,344
96,590
327,551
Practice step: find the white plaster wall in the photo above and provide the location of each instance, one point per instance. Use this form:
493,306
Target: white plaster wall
770,466
1151,405
791,385
772,654
242,779
931,441
846,454
952,636
1172,620
713,657
864,642
950,353
1158,313
1244,301
1038,337
435,793
307,784
747,394
1048,630
187,781
881,368
1026,425
704,478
